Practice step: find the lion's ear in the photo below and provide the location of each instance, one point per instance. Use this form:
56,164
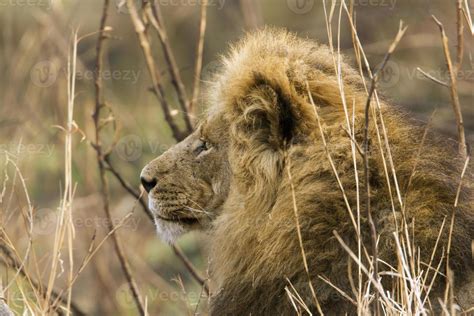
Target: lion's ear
263,122
265,116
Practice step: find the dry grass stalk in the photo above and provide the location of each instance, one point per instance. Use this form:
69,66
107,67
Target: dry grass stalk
13,261
430,77
409,253
466,10
373,82
300,238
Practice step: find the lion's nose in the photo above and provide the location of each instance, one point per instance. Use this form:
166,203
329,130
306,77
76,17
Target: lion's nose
148,184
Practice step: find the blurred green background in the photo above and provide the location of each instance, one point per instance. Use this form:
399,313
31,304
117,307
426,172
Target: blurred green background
34,43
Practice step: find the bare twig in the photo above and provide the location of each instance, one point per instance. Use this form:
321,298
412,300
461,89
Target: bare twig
452,69
154,15
190,267
100,158
199,51
154,74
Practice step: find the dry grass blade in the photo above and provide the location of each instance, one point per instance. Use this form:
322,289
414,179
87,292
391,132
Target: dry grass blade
467,14
300,238
36,285
430,77
378,286
373,229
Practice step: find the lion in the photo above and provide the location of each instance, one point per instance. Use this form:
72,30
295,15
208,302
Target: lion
275,170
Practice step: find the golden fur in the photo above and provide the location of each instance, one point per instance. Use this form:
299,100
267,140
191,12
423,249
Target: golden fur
261,122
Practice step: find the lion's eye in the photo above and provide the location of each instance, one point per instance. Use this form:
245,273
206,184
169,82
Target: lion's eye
201,147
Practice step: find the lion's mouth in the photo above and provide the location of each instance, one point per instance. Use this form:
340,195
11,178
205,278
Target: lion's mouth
180,219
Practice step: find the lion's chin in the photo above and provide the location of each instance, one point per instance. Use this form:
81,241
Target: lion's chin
169,231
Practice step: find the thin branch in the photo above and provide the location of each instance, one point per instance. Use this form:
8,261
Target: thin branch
154,15
100,159
199,55
155,76
453,85
190,267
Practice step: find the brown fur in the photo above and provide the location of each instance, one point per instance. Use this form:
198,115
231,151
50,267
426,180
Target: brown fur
261,121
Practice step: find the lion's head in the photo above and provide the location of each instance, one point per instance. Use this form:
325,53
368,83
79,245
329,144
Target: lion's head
255,111
188,184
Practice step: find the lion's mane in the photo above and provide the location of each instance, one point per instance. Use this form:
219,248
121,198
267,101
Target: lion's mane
262,92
